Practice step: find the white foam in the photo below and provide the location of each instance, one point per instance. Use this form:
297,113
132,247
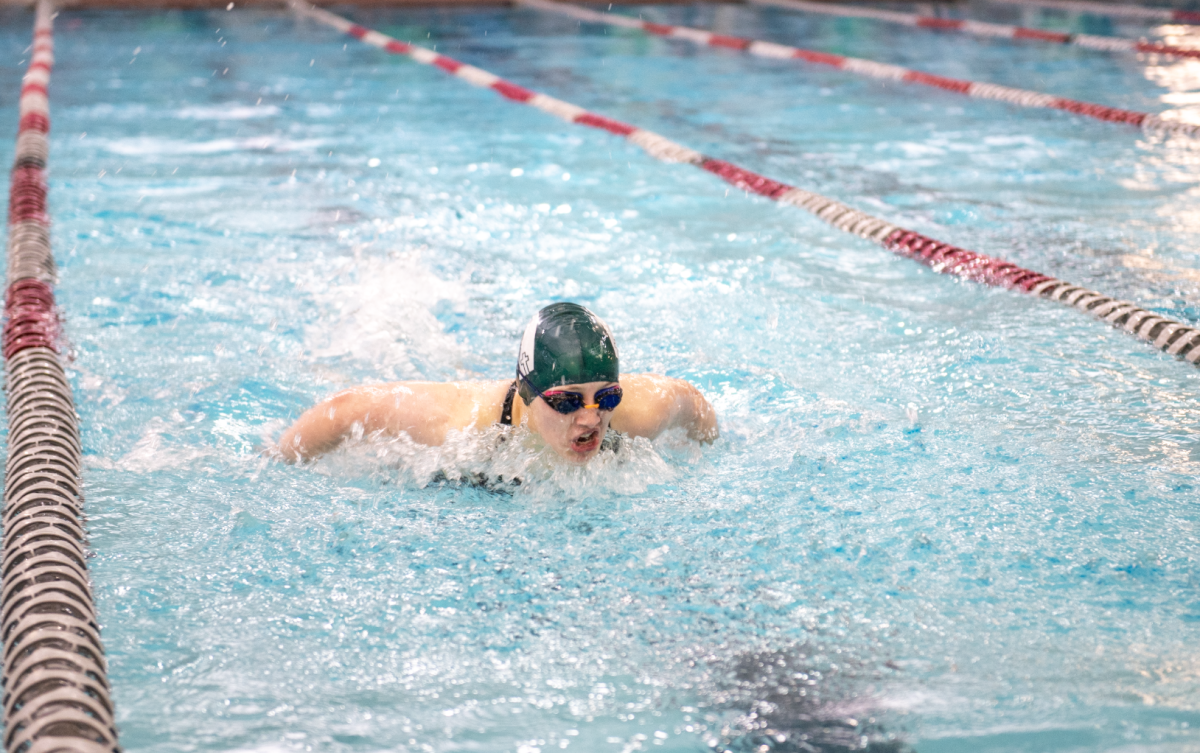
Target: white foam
498,455
144,145
153,453
378,311
230,111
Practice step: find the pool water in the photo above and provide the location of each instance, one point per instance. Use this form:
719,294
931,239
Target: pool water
938,516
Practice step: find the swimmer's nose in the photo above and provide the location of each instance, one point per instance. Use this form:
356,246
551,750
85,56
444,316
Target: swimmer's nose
588,415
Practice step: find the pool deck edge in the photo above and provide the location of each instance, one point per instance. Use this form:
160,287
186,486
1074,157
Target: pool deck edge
221,4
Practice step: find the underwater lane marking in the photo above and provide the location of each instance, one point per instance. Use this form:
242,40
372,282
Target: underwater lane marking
885,71
938,256
57,694
985,29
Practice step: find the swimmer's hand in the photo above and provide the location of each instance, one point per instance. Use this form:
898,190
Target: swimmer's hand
274,452
704,428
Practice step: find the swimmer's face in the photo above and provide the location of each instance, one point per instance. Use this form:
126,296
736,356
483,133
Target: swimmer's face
574,436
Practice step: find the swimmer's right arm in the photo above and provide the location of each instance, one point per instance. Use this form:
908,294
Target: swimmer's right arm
415,408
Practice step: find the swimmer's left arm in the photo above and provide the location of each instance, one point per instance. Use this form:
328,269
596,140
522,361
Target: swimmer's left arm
654,404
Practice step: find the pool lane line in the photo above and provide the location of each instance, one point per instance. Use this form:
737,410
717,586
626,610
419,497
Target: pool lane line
873,69
1166,334
1114,10
56,692
984,29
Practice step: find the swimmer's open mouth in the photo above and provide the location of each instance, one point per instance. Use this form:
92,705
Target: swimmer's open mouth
587,441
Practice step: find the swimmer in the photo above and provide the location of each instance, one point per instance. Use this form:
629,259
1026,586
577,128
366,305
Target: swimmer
571,394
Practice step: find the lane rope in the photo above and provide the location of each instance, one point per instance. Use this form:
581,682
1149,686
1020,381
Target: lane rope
873,69
984,29
1166,334
56,691
1112,9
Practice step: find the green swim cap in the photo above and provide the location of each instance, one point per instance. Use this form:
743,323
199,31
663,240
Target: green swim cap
565,343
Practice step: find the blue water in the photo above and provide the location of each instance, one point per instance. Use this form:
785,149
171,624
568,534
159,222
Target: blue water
939,516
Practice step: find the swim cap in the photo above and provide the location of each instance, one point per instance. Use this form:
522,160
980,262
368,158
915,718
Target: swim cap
565,343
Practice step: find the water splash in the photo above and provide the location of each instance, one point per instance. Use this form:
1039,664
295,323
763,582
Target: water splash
378,311
509,460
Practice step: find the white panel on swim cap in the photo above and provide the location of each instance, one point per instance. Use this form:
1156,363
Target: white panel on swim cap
525,356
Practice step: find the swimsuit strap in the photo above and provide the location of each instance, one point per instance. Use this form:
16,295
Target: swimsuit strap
506,413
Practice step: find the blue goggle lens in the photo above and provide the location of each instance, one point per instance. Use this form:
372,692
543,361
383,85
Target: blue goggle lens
607,399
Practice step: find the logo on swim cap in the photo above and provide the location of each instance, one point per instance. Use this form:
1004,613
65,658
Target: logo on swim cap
528,341
565,343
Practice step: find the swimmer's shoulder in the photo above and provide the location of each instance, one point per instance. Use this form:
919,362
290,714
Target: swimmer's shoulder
455,405
654,403
480,403
646,392
646,382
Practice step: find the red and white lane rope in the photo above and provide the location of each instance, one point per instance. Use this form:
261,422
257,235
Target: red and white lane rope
1165,15
56,695
1166,334
872,69
983,29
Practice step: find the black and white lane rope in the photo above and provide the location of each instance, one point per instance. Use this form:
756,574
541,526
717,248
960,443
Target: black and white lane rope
56,693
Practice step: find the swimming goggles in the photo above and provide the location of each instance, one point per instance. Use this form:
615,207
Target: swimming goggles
568,402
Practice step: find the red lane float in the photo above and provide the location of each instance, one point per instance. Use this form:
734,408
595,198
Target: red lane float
872,69
56,691
30,320
984,29
1141,12
1166,334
